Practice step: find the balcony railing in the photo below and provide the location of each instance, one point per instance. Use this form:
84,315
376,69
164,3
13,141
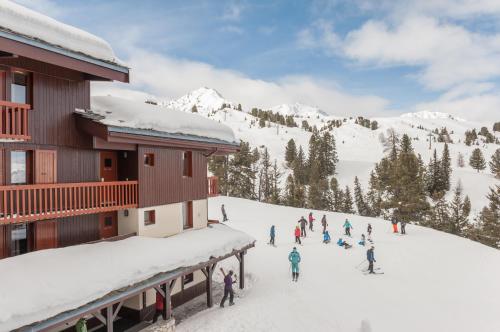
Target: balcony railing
14,121
21,203
213,186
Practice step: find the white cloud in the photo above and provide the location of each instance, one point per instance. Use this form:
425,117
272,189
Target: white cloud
233,11
169,77
320,35
46,7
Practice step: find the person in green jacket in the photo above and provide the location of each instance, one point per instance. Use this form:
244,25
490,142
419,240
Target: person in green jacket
294,258
81,325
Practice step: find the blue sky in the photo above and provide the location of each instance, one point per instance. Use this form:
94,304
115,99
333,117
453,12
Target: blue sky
347,57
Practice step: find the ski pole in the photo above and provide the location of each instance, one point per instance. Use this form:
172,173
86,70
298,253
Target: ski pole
357,266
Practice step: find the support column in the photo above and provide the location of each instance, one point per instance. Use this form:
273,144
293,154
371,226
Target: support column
210,300
167,302
242,270
109,318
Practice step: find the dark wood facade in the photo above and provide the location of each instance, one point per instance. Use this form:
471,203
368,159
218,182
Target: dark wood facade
164,183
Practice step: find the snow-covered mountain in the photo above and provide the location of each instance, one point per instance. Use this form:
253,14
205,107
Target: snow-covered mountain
359,148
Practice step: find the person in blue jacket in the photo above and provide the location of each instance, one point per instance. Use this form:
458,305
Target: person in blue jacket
294,258
362,241
342,243
370,256
347,226
272,233
326,237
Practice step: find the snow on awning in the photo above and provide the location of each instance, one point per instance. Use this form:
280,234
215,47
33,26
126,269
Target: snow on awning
56,280
22,21
130,115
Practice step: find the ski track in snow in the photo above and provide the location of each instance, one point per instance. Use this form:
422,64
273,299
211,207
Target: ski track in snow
433,281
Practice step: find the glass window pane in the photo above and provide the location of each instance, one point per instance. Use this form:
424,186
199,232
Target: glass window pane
18,167
18,93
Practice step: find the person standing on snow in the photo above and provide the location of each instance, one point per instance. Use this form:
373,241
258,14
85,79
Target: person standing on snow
303,224
297,235
363,241
224,215
324,223
403,227
272,233
370,256
347,226
228,287
294,259
326,237
311,219
394,226
369,229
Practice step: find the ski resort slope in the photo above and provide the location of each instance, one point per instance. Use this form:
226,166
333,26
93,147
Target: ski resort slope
432,281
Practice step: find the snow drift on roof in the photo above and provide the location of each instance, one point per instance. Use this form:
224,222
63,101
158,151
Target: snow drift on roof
57,280
120,112
29,23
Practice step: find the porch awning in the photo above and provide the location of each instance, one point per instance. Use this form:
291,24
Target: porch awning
43,284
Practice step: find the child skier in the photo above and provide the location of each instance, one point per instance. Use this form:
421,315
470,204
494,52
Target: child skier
342,243
294,259
326,237
272,233
347,226
311,219
403,227
370,256
224,215
324,223
362,241
297,235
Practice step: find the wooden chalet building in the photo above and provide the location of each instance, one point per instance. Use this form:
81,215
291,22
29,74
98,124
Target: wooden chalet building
67,175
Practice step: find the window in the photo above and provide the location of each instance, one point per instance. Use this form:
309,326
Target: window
19,88
187,215
108,163
187,279
19,238
18,163
108,222
187,163
149,217
149,159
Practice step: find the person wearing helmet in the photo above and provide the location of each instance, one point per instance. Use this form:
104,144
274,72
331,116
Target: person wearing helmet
294,259
370,256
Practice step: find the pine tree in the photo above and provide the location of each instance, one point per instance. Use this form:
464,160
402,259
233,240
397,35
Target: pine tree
439,217
459,210
489,218
460,160
347,206
299,167
290,152
300,195
275,187
434,178
360,199
336,196
327,155
241,175
265,177
218,166
495,164
289,198
446,168
476,160
194,109
373,198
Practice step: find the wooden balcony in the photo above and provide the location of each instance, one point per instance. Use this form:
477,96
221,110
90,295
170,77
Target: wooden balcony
14,121
22,203
213,186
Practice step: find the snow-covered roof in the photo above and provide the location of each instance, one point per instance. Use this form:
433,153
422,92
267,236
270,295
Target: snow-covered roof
57,280
18,20
135,117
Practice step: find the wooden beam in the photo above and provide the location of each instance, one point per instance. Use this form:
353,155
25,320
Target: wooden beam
109,319
209,273
242,269
167,302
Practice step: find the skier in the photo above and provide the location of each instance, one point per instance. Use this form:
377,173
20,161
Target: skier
326,237
369,229
303,224
347,226
363,241
272,233
311,219
228,287
342,243
324,223
394,226
224,215
294,258
297,235
403,227
370,256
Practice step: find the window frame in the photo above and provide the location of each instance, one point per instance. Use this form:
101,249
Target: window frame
149,159
187,279
149,217
29,85
28,166
187,164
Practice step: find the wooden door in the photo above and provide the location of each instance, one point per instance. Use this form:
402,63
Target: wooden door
3,84
108,224
45,166
109,170
4,241
45,234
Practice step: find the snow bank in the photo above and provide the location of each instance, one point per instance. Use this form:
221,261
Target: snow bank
433,281
132,114
34,25
427,115
41,284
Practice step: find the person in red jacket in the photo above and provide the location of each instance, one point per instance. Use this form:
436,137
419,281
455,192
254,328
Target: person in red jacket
297,235
311,219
